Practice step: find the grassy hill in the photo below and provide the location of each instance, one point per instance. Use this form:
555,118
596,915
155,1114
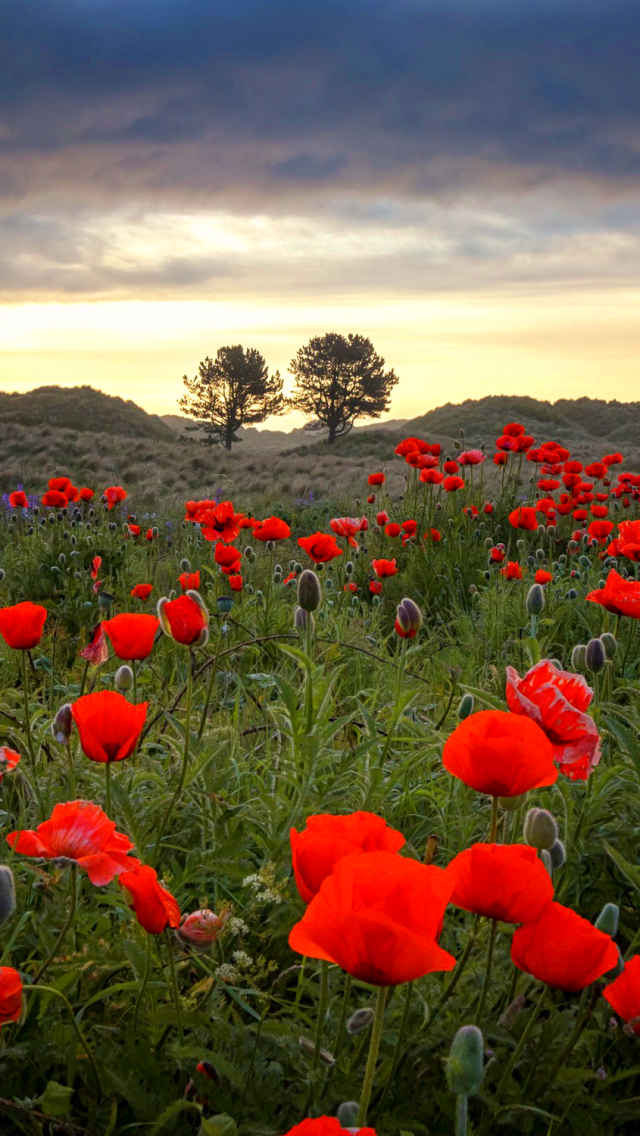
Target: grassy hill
99,440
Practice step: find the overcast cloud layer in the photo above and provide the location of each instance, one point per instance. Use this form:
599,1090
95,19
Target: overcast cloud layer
195,148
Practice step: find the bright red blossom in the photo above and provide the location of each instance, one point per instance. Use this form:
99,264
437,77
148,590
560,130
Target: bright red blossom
273,528
325,1126
620,596
109,726
327,839
11,996
501,881
557,701
183,619
155,908
623,994
321,547
21,626
131,635
142,591
384,568
82,832
499,753
563,949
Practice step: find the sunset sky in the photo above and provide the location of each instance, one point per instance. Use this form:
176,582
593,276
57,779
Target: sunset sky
458,180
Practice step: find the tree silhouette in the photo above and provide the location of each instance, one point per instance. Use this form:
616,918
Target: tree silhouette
339,379
230,391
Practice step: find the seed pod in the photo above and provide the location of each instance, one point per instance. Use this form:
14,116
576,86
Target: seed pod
557,854
62,723
608,918
609,643
465,706
309,590
535,599
540,829
465,1062
123,678
595,655
360,1020
7,894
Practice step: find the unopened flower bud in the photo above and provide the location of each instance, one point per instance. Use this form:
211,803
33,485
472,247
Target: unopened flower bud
465,1062
123,678
608,918
201,929
300,617
7,894
535,599
595,655
309,590
609,643
465,706
62,723
557,854
349,566
540,829
409,617
360,1020
185,565
197,598
308,1047
348,1114
579,657
546,860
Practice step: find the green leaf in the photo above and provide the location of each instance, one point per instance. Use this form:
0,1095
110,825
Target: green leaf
221,1125
631,871
56,1099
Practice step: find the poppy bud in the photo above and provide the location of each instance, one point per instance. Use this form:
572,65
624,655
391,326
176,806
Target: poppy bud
360,1020
541,530
1,574
277,578
540,553
465,706
61,725
203,638
249,553
540,829
7,894
572,545
300,619
607,920
535,599
201,929
408,618
572,594
609,643
271,546
557,854
546,860
185,565
197,598
348,1114
617,969
512,804
465,1062
349,566
297,568
509,1016
595,655
520,546
472,589
123,678
579,657
309,591
62,558
307,1046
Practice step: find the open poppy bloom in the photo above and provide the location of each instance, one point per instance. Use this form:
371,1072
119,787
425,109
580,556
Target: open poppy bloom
384,568
378,916
109,726
11,995
21,626
376,479
432,476
499,753
328,838
96,651
326,1126
114,494
154,907
9,759
623,994
321,547
451,484
501,881
18,499
409,444
142,591
523,518
347,527
235,582
543,577
227,557
557,701
86,494
131,635
189,581
620,596
183,619
218,522
511,571
273,528
628,539
563,949
78,832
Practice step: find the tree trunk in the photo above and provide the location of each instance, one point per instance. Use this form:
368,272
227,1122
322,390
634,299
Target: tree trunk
332,432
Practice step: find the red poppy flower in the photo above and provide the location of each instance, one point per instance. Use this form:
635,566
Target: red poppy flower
511,571
82,832
523,518
513,429
11,995
378,917
410,527
21,626
620,596
451,466
227,557
328,838
548,484
410,444
392,529
133,530
109,726
325,1126
18,499
471,457
612,459
273,528
600,530
350,587
132,635
596,470
507,882
9,759
432,476
142,591
189,581
382,517
629,540
52,499
500,459
59,484
499,753
96,651
557,701
375,587
563,949
86,494
72,493
497,555
623,994
384,568
543,577
371,498
155,908
235,582
347,527
434,534
218,522
451,484
95,567
321,547
488,508
376,479
114,494
183,619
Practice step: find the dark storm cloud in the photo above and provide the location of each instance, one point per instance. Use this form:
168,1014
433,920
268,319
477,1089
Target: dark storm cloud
187,97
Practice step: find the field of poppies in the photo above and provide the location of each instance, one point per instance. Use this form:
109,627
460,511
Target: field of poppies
318,823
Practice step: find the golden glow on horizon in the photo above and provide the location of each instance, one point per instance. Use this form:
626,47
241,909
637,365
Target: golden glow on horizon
445,348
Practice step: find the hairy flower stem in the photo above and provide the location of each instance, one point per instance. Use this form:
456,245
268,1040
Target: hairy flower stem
107,789
374,1047
185,761
212,679
68,921
143,985
76,1028
322,1013
27,716
487,972
174,987
462,1114
493,829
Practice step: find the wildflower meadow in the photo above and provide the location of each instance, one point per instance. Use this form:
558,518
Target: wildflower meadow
327,820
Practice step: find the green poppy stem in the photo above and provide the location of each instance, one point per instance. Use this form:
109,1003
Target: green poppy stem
185,760
462,1114
107,789
322,1012
27,715
487,972
67,923
533,1017
493,829
374,1047
143,985
51,990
